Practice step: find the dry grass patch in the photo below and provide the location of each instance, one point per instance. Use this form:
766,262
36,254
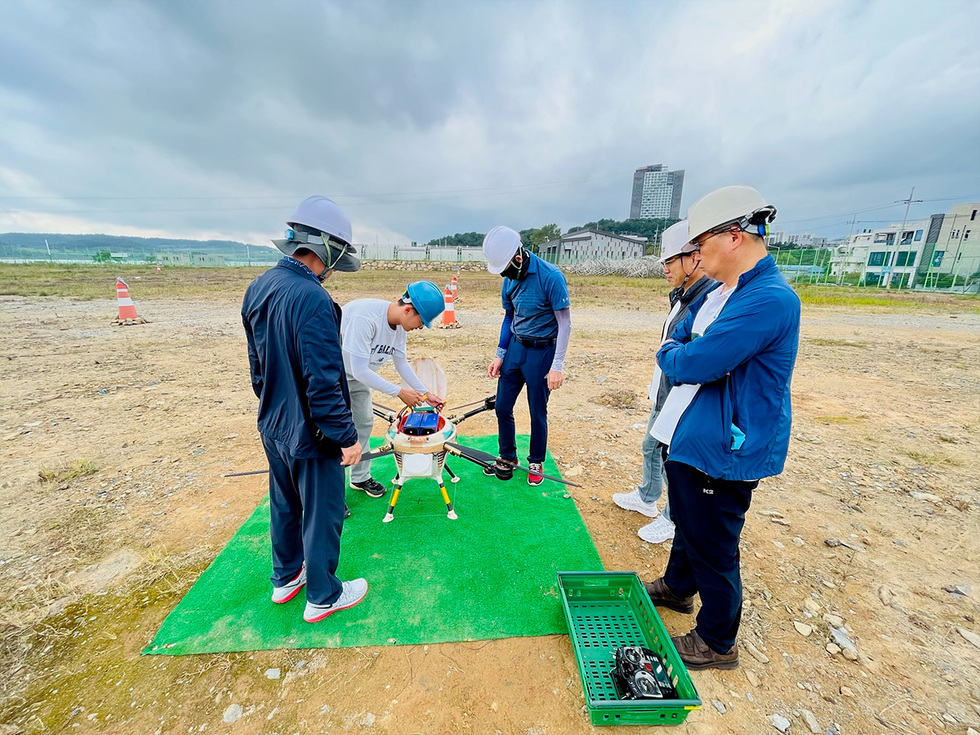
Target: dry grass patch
618,398
67,472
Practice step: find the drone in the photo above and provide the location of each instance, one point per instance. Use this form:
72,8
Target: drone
421,438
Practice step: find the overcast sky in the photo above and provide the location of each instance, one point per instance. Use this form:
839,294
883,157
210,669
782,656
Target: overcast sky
213,119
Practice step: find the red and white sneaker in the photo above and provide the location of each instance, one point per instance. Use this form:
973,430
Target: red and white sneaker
535,475
350,594
288,591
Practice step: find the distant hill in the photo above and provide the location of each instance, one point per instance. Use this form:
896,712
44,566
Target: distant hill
31,246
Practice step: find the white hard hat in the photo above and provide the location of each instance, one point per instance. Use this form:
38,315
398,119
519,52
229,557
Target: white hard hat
675,241
741,205
324,215
320,226
499,246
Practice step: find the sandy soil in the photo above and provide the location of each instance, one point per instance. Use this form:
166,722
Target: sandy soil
114,442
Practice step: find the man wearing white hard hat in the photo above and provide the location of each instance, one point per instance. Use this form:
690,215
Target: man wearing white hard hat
531,349
293,330
682,269
727,420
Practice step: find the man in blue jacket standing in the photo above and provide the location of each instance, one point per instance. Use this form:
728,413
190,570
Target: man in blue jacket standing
293,331
727,420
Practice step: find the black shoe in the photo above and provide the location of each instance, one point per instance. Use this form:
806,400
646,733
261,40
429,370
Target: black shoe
502,469
370,487
346,511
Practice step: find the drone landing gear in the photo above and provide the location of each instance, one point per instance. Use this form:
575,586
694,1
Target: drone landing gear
453,475
390,515
451,515
398,482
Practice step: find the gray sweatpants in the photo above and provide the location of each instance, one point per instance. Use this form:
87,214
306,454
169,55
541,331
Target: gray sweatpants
363,413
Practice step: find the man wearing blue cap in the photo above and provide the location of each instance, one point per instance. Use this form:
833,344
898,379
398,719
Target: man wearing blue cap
373,331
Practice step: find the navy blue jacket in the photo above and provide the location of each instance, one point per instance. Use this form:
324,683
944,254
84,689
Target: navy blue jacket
293,331
744,361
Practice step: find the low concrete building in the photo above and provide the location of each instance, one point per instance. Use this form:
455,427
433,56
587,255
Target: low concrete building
582,245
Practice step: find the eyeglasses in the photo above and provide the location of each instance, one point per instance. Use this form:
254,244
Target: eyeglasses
674,258
698,244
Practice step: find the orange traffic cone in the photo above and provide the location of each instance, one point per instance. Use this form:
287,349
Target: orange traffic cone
127,309
454,286
449,315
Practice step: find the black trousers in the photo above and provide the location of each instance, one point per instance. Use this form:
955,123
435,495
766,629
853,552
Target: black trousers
709,514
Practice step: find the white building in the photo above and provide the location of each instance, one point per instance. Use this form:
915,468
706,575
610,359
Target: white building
956,247
888,256
656,193
592,245
803,240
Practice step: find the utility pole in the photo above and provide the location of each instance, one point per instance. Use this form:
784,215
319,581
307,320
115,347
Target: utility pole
898,242
847,250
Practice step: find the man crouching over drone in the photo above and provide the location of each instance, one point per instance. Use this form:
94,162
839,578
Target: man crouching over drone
373,331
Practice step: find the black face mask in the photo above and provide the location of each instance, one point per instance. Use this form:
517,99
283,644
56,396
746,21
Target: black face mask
515,270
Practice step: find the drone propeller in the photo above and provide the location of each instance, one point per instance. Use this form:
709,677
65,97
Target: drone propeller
246,474
484,459
383,412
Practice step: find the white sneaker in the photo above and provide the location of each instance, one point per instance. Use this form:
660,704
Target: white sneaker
633,501
657,532
288,591
351,594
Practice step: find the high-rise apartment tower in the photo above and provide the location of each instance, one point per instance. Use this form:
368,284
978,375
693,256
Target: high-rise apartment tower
656,193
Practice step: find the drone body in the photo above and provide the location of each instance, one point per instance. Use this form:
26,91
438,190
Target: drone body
421,438
418,441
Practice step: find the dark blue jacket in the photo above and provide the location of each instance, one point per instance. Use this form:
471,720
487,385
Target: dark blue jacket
744,361
293,331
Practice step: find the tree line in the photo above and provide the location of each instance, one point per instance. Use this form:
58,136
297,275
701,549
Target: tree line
535,237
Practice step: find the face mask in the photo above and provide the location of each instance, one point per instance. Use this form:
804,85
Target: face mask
517,270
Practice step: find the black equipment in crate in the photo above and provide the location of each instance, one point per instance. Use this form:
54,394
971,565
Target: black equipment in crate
640,674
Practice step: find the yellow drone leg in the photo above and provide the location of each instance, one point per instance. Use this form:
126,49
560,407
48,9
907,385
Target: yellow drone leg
445,496
390,515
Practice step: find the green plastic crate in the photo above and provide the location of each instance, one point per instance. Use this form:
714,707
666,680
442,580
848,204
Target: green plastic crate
606,610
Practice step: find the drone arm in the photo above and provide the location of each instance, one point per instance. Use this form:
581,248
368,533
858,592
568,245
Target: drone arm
379,452
489,403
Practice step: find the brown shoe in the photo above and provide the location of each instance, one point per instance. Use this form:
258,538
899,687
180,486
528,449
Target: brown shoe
661,596
696,654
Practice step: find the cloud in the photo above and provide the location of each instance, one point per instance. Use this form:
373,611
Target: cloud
424,119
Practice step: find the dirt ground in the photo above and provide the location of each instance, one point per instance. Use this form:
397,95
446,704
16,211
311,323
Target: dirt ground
114,442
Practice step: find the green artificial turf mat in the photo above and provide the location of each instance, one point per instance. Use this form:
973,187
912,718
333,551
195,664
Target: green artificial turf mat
489,574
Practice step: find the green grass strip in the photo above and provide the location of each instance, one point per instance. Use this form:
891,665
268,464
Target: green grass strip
489,574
